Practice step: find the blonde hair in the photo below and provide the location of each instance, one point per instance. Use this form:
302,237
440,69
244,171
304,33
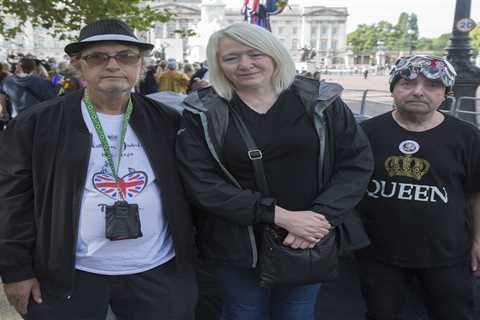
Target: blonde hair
259,39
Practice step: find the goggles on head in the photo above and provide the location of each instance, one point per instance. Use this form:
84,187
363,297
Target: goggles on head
433,68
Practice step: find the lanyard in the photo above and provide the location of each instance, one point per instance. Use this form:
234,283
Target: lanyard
103,139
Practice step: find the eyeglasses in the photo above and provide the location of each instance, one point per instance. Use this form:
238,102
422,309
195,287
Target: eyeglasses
102,58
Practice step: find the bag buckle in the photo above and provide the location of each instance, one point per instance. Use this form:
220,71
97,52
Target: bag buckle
255,154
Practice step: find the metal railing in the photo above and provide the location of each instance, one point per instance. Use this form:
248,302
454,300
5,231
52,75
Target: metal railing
471,116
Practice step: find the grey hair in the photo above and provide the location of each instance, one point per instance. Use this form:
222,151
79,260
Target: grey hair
259,39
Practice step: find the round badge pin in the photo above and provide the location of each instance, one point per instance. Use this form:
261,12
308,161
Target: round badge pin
409,147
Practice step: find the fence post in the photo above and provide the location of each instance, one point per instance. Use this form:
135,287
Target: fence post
364,99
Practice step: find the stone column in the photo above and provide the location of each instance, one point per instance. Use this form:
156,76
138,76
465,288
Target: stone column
380,56
349,58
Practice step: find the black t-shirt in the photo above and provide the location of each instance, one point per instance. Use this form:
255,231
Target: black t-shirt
289,143
416,211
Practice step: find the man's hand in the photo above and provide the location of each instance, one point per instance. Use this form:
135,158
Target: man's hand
295,242
199,83
309,225
476,258
18,294
475,204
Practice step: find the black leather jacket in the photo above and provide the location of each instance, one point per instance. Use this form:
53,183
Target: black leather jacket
226,213
44,156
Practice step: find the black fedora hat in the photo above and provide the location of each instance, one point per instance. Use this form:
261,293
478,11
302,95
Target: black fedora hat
105,30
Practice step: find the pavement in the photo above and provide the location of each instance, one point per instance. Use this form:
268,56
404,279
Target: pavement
338,300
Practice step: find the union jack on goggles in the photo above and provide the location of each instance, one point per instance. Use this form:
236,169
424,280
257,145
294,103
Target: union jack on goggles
431,67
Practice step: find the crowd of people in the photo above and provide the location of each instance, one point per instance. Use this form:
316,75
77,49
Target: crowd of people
26,81
174,79
153,197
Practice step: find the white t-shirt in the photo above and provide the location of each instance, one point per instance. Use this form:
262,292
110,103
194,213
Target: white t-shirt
95,253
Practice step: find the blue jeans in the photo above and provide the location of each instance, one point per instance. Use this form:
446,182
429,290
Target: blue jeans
244,299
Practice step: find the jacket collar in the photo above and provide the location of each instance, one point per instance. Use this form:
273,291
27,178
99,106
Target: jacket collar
73,111
309,91
74,116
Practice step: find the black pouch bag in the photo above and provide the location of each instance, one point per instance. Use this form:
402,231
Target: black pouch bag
282,266
279,265
122,221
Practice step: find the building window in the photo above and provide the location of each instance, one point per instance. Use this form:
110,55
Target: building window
183,24
324,30
159,30
314,32
281,30
334,44
295,30
323,44
294,44
334,31
171,27
313,44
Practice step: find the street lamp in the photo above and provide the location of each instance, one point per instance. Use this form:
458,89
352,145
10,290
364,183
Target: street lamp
410,33
460,53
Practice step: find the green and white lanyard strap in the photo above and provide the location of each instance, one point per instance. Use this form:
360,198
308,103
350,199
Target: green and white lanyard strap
103,139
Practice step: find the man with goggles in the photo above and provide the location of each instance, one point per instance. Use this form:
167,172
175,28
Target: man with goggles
422,206
92,211
432,68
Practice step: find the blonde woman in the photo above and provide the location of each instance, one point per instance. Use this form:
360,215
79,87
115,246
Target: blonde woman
317,163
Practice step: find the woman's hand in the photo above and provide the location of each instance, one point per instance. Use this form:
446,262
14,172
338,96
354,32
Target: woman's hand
296,242
309,225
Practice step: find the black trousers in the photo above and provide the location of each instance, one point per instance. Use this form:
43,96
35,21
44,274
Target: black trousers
210,300
160,293
448,292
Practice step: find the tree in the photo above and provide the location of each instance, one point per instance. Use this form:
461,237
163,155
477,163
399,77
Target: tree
406,31
475,35
395,37
62,17
364,39
184,34
434,45
401,31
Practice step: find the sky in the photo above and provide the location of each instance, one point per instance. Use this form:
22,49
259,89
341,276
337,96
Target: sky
434,16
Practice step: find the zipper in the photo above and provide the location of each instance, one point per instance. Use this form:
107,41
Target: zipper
320,127
77,212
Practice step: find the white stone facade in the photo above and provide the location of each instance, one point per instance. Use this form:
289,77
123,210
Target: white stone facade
320,28
36,41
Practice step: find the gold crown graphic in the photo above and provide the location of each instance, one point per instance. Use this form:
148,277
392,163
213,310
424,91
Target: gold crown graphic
406,166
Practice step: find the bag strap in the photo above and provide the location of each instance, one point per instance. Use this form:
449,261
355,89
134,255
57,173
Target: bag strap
254,153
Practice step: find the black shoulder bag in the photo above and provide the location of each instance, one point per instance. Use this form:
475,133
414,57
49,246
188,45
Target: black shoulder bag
279,265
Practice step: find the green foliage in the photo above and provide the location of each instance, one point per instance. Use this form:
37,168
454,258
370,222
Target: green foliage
363,39
62,17
394,37
434,45
185,33
475,35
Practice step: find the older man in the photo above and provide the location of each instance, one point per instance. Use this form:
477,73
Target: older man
92,212
422,208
